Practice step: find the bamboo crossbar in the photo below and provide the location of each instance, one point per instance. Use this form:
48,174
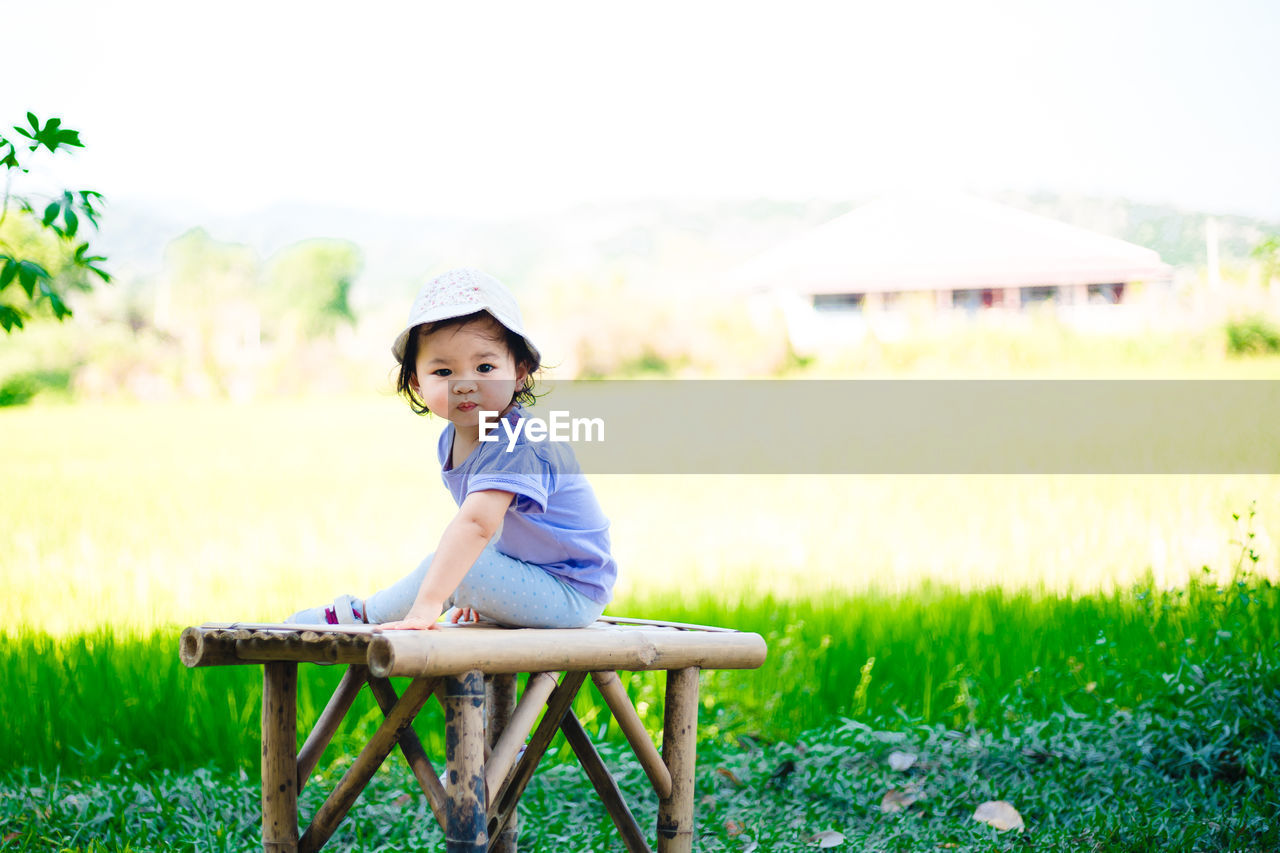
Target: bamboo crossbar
503,806
411,748
624,713
229,643
605,787
503,756
497,650
330,814
330,718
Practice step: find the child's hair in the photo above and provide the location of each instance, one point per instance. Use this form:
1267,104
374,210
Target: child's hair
515,344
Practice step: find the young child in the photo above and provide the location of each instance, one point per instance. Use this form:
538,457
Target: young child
529,545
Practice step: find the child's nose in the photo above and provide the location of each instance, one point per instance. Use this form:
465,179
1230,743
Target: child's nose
463,385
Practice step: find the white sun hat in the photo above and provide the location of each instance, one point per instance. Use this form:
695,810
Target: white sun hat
457,293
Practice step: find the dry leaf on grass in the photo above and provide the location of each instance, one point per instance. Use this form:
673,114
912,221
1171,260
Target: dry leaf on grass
729,774
733,828
899,760
827,838
896,800
403,800
1000,814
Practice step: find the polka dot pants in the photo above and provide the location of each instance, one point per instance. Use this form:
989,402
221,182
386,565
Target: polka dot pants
501,589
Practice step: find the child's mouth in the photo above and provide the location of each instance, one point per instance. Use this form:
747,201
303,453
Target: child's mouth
466,407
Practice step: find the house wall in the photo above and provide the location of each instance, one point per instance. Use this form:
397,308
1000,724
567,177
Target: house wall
1122,307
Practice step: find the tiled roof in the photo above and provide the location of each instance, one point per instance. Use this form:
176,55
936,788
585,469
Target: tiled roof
945,242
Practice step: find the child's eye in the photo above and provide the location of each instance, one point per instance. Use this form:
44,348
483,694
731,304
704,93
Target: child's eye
443,371
486,368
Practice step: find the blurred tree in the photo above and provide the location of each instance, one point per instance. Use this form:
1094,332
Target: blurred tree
308,287
206,300
44,276
1268,252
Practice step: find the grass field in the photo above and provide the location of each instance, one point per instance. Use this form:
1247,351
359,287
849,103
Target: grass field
987,605
1193,767
984,658
140,516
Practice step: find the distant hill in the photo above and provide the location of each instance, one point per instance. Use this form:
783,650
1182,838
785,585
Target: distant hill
647,242
1178,235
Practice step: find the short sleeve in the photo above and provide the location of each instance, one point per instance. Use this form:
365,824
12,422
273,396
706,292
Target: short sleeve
521,471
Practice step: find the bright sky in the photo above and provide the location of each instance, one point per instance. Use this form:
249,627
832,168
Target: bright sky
495,109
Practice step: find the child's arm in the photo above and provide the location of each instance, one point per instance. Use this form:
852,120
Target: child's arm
477,520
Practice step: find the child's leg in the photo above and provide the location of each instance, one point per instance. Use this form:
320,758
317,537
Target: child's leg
519,594
393,603
501,588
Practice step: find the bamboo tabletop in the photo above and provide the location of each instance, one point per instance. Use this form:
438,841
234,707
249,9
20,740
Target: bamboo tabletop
614,643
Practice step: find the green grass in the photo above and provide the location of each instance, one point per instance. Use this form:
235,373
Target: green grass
1193,766
933,610
138,517
941,656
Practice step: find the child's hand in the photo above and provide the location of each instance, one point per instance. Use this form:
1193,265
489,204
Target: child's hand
417,619
464,614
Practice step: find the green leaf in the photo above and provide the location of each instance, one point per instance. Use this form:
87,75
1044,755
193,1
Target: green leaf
27,279
51,213
52,135
8,272
35,127
72,221
36,270
87,198
60,309
10,318
29,272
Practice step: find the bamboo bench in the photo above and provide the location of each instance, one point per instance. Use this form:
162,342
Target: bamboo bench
490,757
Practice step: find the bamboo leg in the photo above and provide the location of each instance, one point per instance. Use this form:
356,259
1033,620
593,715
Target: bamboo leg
465,830
500,701
679,751
367,762
536,692
591,762
339,703
414,754
503,808
628,720
280,757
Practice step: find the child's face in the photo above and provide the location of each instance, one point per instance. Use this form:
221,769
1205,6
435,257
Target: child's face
465,369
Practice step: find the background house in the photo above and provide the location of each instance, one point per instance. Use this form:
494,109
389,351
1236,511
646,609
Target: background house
898,263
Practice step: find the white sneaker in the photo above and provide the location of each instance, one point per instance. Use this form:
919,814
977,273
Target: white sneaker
342,610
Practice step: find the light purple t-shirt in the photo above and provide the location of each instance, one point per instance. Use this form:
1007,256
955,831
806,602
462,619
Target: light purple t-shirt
554,520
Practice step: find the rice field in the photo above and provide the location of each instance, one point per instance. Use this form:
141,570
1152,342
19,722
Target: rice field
133,517
928,596
997,606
